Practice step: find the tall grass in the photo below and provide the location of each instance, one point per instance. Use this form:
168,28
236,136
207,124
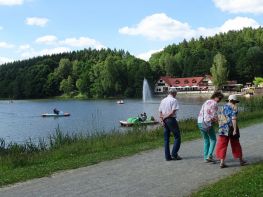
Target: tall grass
252,104
16,155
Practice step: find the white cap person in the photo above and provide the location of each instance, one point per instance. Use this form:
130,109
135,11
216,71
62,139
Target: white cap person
229,131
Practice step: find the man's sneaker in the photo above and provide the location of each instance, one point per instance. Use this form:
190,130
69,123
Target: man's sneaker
177,158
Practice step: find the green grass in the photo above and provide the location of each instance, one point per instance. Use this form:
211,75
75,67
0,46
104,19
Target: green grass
246,183
19,162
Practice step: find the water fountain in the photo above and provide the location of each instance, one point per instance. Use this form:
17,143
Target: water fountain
146,91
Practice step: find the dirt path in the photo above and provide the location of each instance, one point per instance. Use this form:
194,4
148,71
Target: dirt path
144,174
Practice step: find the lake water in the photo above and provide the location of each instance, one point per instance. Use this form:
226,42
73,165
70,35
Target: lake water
22,119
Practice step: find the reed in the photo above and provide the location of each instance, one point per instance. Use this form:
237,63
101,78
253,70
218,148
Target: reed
251,104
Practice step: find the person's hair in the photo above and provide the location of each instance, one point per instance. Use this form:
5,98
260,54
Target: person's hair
217,94
233,101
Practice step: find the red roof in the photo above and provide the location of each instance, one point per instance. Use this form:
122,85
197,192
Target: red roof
186,81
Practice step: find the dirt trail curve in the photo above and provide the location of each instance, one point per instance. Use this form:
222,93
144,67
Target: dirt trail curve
144,174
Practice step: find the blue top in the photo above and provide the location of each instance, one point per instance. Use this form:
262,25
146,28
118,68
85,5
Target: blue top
225,116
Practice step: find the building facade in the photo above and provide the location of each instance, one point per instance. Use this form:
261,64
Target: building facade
184,84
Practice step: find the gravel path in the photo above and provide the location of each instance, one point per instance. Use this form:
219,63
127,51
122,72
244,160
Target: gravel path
144,174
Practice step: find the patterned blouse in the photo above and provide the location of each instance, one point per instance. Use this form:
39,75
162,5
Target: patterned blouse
208,112
225,116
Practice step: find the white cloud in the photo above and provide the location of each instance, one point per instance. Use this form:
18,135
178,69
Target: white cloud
24,47
82,42
48,39
11,2
54,50
238,23
159,26
59,46
6,45
36,21
162,27
240,6
146,55
33,53
5,60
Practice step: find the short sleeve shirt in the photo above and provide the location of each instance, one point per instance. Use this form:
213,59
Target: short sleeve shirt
168,105
225,118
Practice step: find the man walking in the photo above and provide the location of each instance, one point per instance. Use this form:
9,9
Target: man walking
168,109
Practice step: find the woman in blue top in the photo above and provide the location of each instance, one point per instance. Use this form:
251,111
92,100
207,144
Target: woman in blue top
228,131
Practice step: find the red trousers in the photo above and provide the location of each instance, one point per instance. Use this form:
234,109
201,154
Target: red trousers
221,147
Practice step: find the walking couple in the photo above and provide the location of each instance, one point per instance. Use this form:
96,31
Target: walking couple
226,118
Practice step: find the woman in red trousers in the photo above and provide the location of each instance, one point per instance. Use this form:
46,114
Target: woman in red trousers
228,131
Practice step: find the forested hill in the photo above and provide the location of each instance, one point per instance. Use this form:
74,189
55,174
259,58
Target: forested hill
243,51
93,73
111,73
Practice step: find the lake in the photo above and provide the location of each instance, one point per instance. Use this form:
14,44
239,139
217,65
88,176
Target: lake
22,119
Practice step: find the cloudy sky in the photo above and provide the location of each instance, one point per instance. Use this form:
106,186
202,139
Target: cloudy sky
30,28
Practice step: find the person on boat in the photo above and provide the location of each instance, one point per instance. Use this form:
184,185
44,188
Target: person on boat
56,111
143,117
168,110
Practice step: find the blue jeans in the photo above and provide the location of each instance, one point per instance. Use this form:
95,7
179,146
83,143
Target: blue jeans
171,125
209,141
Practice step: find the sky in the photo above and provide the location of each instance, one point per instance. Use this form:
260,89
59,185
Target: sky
30,28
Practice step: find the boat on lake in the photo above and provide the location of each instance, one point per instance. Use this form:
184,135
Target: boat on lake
55,115
120,102
136,121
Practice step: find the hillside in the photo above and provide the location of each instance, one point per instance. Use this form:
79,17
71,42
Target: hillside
110,73
92,73
243,51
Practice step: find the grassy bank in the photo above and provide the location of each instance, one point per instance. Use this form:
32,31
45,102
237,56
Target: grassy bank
247,182
19,162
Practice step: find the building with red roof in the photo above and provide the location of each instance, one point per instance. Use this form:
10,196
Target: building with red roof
184,84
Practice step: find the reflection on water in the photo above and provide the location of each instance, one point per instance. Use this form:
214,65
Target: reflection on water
22,120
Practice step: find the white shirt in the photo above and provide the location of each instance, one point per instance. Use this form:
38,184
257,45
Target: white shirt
168,105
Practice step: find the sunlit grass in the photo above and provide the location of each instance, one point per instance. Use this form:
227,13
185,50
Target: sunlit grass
247,182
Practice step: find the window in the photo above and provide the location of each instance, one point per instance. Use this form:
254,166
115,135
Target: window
177,81
186,81
161,80
193,81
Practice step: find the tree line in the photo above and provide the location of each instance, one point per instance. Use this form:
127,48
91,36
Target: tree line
243,51
109,73
92,73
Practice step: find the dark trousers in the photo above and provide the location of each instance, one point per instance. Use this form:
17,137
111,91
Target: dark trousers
171,125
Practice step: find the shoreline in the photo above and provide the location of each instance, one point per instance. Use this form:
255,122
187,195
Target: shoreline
69,152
